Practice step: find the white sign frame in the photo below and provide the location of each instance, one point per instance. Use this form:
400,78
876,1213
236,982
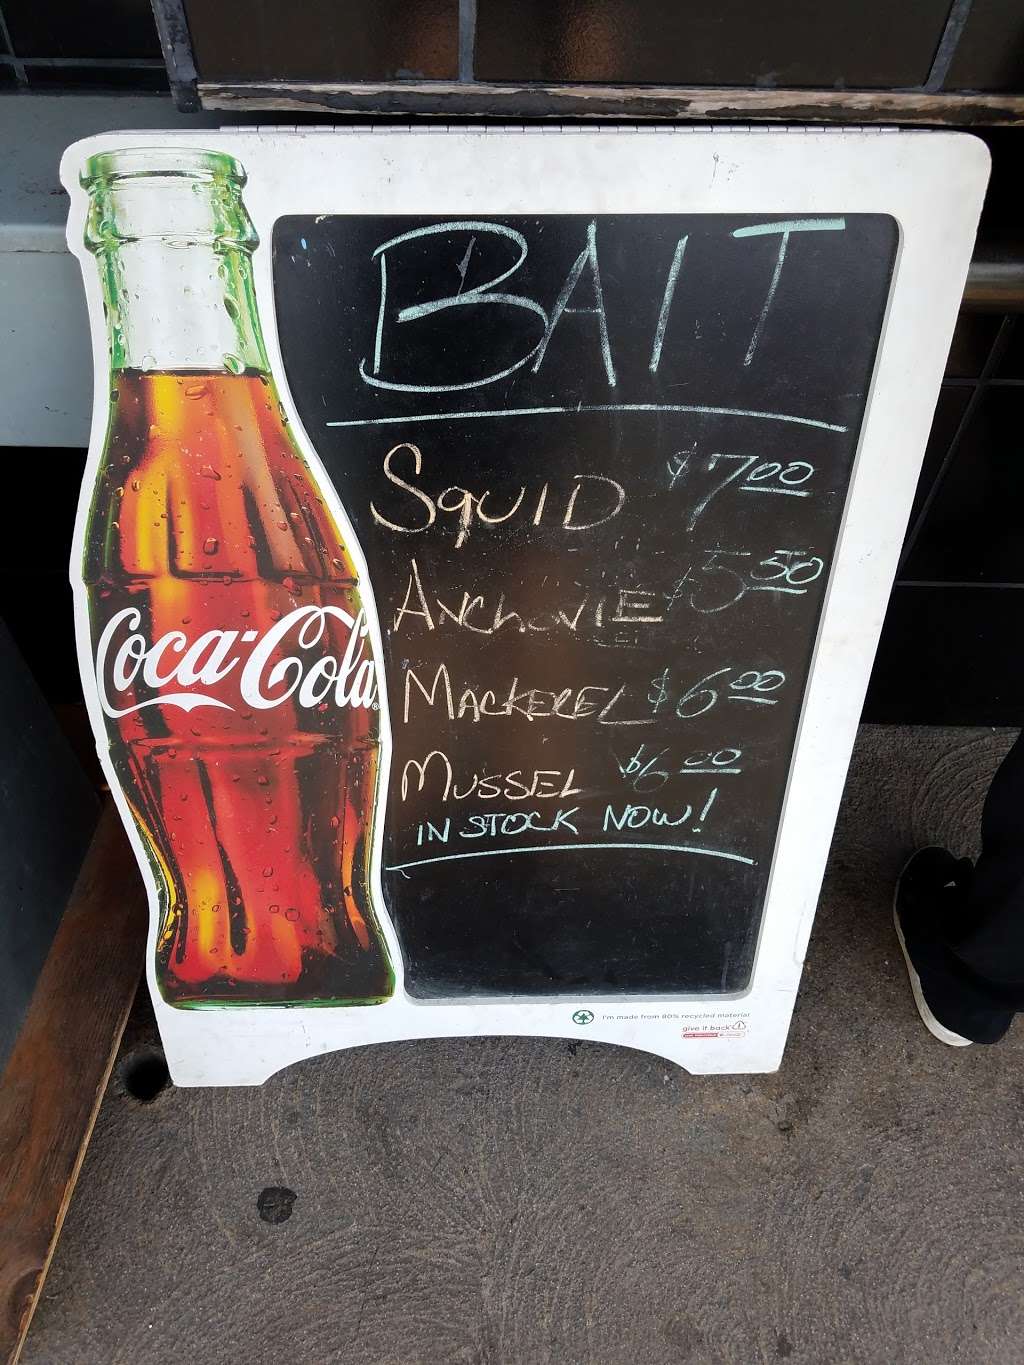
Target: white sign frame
932,183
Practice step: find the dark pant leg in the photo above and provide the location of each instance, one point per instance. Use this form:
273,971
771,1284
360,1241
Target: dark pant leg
989,940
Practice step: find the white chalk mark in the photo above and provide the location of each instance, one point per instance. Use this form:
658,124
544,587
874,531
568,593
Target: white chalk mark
770,587
463,265
420,310
787,492
783,229
792,225
666,303
569,848
480,294
588,256
709,771
463,225
381,311
700,409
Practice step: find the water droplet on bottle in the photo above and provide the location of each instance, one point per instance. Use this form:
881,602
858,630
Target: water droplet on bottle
214,909
149,362
233,364
120,491
274,909
136,485
290,585
211,545
230,307
195,390
263,781
183,796
335,822
244,614
185,620
172,753
208,472
291,913
154,430
282,526
268,872
273,820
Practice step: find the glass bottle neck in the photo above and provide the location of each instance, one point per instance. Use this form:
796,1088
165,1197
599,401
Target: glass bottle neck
174,244
173,306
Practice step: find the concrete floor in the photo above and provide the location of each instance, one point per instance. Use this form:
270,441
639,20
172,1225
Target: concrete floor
502,1202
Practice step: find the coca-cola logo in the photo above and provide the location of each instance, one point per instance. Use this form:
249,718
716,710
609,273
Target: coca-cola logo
125,659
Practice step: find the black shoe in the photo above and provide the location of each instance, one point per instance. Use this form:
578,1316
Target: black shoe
930,898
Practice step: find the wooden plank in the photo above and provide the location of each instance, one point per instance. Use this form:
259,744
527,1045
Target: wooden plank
55,1078
720,104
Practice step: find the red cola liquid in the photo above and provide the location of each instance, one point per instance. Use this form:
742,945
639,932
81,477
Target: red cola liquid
207,532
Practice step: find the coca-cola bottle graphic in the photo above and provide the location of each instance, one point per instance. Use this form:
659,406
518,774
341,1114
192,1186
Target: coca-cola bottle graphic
233,666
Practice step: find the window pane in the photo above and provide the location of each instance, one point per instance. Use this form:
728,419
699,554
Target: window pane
356,40
869,43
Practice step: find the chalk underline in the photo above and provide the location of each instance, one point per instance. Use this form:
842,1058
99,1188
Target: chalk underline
569,848
593,407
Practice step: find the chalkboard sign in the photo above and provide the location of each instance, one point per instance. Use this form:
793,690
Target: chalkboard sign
609,439
599,574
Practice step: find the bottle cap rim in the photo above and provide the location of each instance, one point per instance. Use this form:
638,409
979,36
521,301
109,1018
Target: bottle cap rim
191,163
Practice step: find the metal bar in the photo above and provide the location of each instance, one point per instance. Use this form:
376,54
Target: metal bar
995,281
176,43
956,21
96,63
14,62
451,98
467,39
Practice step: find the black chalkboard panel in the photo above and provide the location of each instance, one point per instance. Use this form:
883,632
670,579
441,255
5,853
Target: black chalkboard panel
597,467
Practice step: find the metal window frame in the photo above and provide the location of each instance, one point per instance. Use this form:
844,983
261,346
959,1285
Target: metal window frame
467,97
